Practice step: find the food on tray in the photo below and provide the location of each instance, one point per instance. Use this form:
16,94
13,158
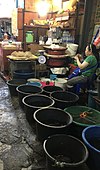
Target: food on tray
20,55
8,46
28,54
55,47
14,53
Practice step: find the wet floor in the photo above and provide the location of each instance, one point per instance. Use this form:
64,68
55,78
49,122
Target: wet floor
19,147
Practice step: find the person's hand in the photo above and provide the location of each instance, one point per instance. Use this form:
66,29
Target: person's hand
78,56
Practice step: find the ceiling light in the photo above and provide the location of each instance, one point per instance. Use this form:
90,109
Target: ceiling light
42,7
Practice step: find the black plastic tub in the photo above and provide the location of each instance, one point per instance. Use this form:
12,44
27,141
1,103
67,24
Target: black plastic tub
23,74
13,84
25,89
64,152
50,121
34,102
47,90
82,117
64,99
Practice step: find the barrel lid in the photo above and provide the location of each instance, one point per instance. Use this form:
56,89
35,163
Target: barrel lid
83,115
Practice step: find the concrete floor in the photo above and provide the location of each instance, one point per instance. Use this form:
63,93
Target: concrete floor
19,148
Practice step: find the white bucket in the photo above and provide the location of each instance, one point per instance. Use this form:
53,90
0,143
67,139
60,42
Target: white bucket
45,79
31,80
61,82
72,48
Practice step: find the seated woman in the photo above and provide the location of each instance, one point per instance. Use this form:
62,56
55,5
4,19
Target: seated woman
87,67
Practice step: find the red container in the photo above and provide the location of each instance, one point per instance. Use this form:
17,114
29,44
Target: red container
54,62
56,52
47,84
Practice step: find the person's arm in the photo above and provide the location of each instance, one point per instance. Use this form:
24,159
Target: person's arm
82,65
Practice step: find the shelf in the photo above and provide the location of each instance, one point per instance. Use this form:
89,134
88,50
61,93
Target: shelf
41,30
72,29
36,26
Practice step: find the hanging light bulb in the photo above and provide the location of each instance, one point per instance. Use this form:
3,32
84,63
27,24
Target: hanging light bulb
42,7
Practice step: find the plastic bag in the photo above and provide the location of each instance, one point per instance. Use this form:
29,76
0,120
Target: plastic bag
75,73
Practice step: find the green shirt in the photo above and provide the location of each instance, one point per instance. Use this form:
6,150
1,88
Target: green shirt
92,62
